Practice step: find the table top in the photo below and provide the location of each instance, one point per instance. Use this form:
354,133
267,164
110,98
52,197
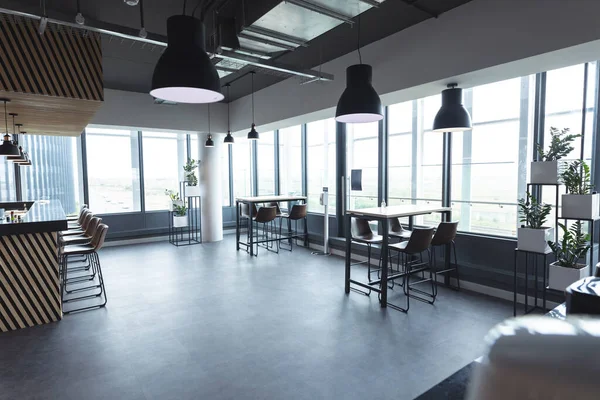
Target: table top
397,211
42,216
268,199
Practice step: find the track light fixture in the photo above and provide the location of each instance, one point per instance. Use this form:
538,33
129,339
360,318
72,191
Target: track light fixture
79,17
228,139
452,116
7,148
184,73
209,141
253,134
359,102
131,2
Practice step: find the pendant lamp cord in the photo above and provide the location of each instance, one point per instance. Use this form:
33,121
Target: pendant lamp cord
184,4
5,118
142,13
78,7
358,40
228,101
208,106
252,97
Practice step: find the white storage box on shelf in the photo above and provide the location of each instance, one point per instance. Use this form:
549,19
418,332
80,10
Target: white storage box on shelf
559,278
192,191
581,206
546,172
535,240
180,221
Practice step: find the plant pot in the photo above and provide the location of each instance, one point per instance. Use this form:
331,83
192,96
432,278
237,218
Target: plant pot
535,240
192,191
180,221
581,206
545,172
175,203
561,277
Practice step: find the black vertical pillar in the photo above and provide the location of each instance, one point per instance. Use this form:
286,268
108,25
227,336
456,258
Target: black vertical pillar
340,174
304,158
254,167
382,166
447,170
84,170
276,160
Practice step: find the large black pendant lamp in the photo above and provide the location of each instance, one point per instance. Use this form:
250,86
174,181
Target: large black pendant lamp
21,157
360,102
184,73
209,142
253,134
7,148
452,116
228,139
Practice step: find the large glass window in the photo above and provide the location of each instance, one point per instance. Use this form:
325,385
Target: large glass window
400,150
242,172
363,155
113,170
54,172
290,160
165,154
265,159
8,190
320,155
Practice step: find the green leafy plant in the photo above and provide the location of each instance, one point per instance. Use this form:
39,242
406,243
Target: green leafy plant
577,178
180,210
190,172
560,145
533,213
572,247
174,196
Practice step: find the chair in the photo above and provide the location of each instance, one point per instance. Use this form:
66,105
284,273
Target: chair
79,229
397,231
86,236
419,242
297,213
362,233
75,218
265,216
445,235
90,251
76,224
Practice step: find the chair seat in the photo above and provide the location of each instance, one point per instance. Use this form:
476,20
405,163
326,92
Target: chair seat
72,232
368,239
77,249
76,238
398,246
402,234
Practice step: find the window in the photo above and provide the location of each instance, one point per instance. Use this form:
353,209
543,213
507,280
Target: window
290,161
265,158
113,170
321,165
242,172
8,190
53,173
363,154
165,154
400,150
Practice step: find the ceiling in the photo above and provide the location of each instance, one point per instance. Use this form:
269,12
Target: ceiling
128,64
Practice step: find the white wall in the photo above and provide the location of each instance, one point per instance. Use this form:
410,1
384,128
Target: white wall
137,110
480,42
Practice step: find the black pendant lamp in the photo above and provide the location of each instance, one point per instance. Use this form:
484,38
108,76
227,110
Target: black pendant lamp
7,148
209,142
21,157
359,102
452,116
184,73
253,134
228,139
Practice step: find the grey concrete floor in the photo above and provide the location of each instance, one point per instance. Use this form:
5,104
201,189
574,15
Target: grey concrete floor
206,321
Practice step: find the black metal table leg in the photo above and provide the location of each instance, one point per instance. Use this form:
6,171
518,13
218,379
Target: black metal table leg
446,216
251,229
306,231
544,283
237,225
515,285
384,263
526,282
348,252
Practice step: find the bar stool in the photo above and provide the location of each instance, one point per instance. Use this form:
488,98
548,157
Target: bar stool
419,242
91,252
445,235
397,231
362,233
79,222
297,213
278,212
86,236
245,213
265,216
79,228
76,217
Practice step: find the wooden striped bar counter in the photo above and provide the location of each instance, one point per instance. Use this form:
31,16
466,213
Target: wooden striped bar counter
29,278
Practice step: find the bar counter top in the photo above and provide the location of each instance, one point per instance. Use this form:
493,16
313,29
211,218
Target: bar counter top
42,216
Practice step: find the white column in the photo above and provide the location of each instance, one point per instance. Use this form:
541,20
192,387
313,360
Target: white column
210,187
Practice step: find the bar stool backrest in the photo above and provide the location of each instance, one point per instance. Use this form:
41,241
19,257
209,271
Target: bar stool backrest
244,210
396,226
92,226
445,233
276,205
361,229
82,214
419,241
298,211
266,214
86,220
100,236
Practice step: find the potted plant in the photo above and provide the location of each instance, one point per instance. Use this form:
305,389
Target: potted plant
191,180
572,247
175,200
533,235
547,169
579,203
180,219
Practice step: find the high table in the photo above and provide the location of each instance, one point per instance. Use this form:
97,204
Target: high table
29,276
250,201
383,215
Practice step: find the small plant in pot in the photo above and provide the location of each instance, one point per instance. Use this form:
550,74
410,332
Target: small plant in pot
579,202
175,199
191,180
180,219
533,235
568,251
547,169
